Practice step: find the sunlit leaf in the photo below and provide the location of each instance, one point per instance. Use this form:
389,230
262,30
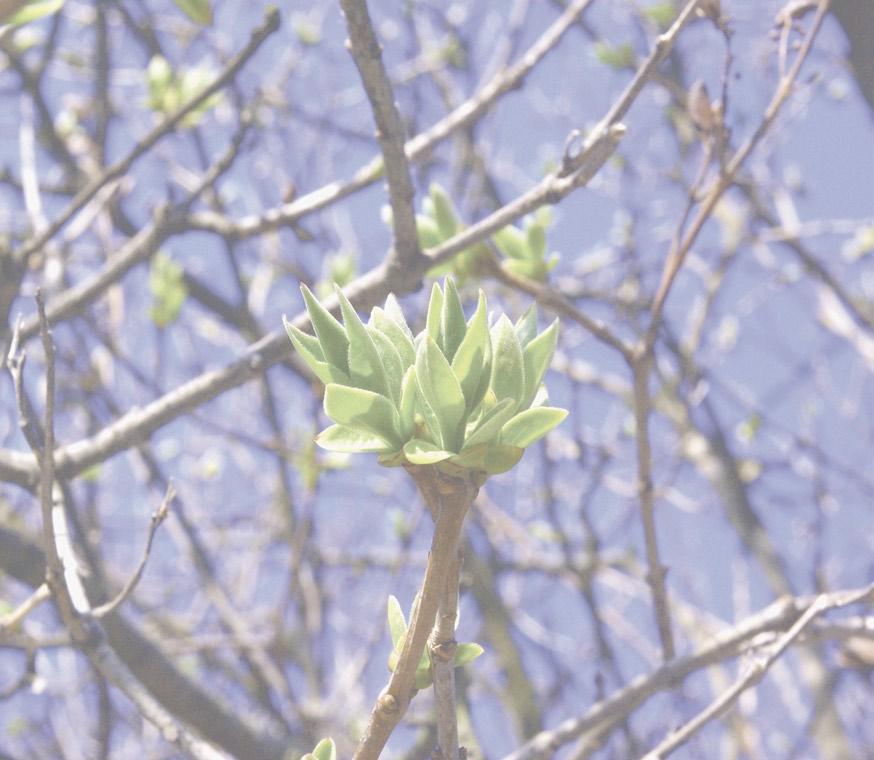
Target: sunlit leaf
469,360
310,350
444,213
428,232
397,623
352,440
391,361
537,356
435,315
407,406
511,242
331,334
359,408
465,653
418,451
526,326
440,389
531,425
508,372
395,333
365,363
452,324
489,427
499,459
536,238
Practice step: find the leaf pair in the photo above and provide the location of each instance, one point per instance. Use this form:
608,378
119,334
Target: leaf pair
525,250
397,626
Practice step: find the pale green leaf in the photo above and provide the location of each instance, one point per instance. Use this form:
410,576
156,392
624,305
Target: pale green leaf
511,242
428,232
393,311
391,361
418,451
325,750
452,324
310,351
199,11
331,334
359,408
435,315
489,427
469,361
538,353
440,389
536,238
508,371
352,440
465,653
526,326
389,327
531,425
365,363
397,623
407,407
444,213
499,459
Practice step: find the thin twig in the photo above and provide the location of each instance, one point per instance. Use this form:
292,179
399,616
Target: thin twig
13,619
158,517
267,27
779,616
505,81
756,670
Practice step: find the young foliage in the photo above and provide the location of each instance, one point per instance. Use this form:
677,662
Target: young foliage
458,395
397,627
324,750
524,250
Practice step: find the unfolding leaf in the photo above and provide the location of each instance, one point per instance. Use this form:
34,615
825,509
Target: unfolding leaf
352,440
444,213
465,653
391,361
359,408
531,425
536,238
428,232
407,407
418,451
470,358
508,371
440,389
511,242
526,326
489,427
325,750
435,315
310,351
394,312
452,324
331,334
402,342
537,355
397,623
365,363
502,458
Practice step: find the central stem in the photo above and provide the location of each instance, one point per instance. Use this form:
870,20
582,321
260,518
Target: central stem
448,498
